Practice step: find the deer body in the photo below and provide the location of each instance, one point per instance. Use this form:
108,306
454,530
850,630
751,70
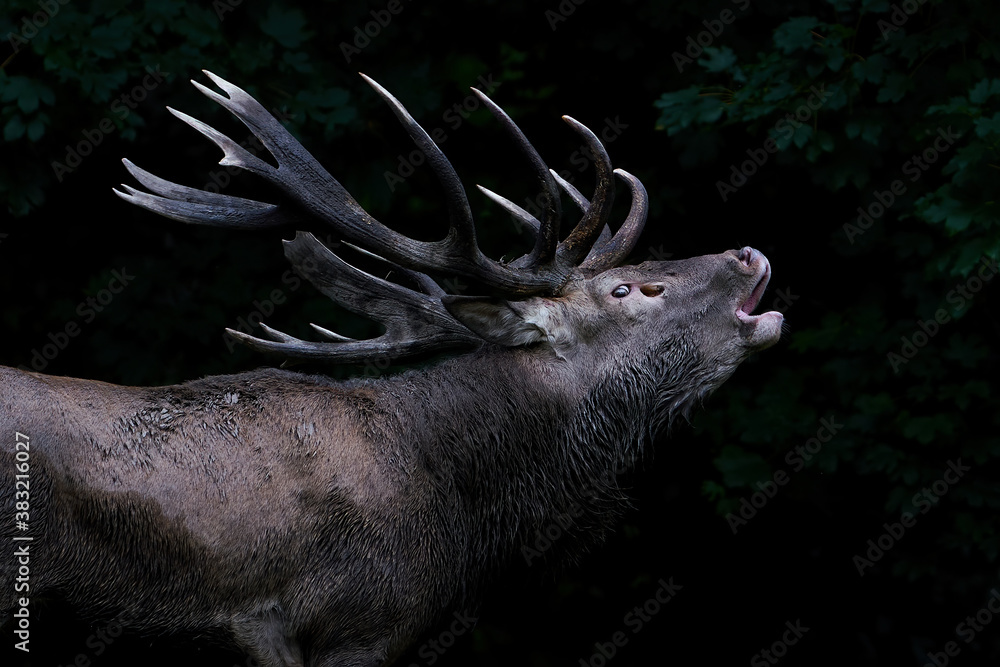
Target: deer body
283,502
323,523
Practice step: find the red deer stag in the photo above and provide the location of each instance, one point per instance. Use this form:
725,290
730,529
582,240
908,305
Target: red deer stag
319,522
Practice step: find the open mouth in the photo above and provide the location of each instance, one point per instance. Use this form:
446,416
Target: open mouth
743,312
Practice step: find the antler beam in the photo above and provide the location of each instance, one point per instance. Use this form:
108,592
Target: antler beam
416,323
300,176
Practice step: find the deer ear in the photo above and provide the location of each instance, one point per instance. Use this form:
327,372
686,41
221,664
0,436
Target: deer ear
508,323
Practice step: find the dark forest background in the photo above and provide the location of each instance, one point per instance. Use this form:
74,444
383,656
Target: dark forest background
751,123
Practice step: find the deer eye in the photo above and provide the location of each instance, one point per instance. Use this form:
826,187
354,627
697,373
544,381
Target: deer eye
620,291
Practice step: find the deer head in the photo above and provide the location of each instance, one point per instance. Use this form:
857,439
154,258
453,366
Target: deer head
564,298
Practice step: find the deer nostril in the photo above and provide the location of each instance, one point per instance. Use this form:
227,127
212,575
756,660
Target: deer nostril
745,254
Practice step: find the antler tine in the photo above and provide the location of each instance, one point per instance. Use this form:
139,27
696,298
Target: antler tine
415,324
519,213
579,242
609,252
582,202
547,241
425,282
332,335
298,173
543,271
311,185
301,177
186,204
459,212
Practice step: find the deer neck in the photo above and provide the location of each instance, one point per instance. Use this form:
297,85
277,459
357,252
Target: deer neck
519,444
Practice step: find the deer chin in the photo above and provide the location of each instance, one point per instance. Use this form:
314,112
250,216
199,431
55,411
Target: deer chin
764,330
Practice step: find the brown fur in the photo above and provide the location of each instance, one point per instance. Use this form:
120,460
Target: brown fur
327,523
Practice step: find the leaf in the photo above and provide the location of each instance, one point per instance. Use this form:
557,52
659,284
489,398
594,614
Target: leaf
107,41
683,108
27,101
896,86
28,93
781,91
988,125
983,90
299,61
14,129
13,88
955,105
287,26
713,490
718,59
940,206
835,60
874,404
802,134
967,163
872,69
927,429
795,34
868,129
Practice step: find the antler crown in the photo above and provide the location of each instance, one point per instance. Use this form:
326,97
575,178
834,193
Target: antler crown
416,322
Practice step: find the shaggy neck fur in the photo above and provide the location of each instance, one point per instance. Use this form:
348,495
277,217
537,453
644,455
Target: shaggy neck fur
514,454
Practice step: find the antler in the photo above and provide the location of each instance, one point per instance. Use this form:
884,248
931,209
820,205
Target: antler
544,270
415,324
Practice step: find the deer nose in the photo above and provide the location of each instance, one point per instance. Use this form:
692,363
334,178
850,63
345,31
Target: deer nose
748,255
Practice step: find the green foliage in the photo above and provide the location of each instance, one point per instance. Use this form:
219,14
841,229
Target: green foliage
908,102
853,96
94,53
